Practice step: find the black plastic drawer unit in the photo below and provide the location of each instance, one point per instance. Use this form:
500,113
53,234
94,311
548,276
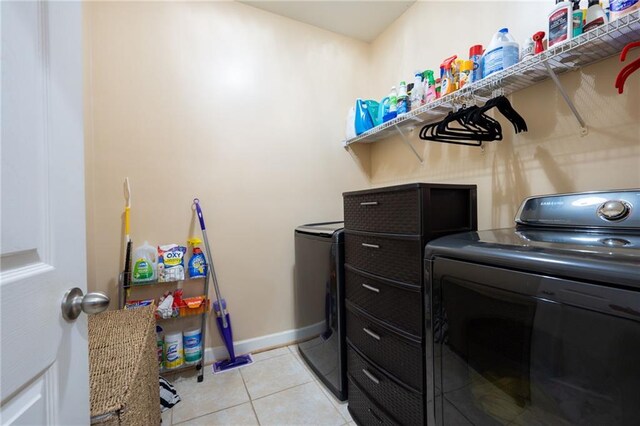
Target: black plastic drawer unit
404,404
394,302
386,230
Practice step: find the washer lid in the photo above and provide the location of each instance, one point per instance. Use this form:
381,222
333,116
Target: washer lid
326,229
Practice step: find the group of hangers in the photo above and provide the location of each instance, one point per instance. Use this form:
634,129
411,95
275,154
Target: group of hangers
629,69
471,126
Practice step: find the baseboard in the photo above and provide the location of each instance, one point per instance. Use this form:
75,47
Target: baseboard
264,342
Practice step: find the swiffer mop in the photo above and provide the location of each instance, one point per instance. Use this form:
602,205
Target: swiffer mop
220,308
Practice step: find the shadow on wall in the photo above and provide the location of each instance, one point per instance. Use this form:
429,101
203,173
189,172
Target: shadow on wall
509,185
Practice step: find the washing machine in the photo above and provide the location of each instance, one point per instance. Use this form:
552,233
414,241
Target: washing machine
319,302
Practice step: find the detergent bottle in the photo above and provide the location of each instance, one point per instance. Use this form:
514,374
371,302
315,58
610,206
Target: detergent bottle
144,263
197,263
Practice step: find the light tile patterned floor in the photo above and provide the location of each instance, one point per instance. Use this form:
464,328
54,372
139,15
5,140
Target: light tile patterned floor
278,389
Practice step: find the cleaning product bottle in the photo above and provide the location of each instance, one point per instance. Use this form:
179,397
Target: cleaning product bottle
447,82
383,110
417,93
466,68
393,100
402,98
560,22
197,263
475,54
430,94
390,106
144,264
502,52
595,16
619,8
577,18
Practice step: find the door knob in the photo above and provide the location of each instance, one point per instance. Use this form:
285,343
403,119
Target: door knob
74,302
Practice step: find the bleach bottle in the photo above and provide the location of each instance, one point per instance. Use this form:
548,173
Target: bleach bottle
197,263
502,52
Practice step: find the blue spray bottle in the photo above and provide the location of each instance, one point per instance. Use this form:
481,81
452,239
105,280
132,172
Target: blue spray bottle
197,263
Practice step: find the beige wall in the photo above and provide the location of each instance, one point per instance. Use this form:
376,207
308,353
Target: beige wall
224,102
552,157
245,110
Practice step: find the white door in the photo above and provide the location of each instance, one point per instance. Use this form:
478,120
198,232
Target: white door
44,358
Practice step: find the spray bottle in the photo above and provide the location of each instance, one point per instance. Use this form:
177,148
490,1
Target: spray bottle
447,84
197,263
417,93
430,94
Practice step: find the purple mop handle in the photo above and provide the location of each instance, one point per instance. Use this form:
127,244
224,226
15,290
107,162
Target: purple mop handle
199,211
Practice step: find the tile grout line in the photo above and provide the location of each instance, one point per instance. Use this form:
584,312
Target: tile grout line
246,389
326,395
281,390
203,415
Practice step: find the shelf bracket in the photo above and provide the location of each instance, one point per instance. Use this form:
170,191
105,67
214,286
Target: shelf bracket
583,127
406,141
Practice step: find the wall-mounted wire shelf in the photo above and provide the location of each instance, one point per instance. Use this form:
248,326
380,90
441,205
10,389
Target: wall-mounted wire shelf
593,46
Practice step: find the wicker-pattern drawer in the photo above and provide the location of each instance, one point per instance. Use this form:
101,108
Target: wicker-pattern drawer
363,411
395,258
396,212
403,405
399,355
396,303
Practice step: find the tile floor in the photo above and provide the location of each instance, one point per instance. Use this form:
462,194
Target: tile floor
277,389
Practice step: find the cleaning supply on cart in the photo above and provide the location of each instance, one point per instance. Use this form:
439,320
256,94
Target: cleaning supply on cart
596,16
502,52
192,342
475,55
620,8
417,93
144,263
560,22
402,99
173,350
165,306
171,262
447,84
197,263
220,308
576,22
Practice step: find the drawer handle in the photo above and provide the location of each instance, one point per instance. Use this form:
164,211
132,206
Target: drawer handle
375,246
369,203
373,289
373,378
375,416
371,333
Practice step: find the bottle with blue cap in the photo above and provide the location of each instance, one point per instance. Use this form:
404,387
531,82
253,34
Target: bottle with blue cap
502,52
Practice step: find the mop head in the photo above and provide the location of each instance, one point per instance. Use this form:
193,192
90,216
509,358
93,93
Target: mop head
227,364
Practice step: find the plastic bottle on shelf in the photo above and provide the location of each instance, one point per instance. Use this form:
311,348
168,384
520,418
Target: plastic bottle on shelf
502,52
144,264
561,22
619,8
197,263
475,55
596,16
577,18
447,84
402,98
430,94
393,100
417,93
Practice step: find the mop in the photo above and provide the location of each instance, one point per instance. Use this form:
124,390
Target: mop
220,308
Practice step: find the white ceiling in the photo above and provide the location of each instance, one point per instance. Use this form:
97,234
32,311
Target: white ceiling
362,20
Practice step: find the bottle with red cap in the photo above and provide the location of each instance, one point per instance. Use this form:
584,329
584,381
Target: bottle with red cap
475,55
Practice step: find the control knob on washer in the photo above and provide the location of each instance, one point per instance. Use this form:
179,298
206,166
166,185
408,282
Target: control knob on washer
614,210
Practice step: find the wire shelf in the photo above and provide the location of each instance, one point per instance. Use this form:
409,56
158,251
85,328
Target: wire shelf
588,48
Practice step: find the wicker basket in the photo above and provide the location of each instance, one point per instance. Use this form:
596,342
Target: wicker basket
123,368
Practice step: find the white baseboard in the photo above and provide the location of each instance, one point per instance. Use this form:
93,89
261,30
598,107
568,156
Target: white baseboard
265,342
